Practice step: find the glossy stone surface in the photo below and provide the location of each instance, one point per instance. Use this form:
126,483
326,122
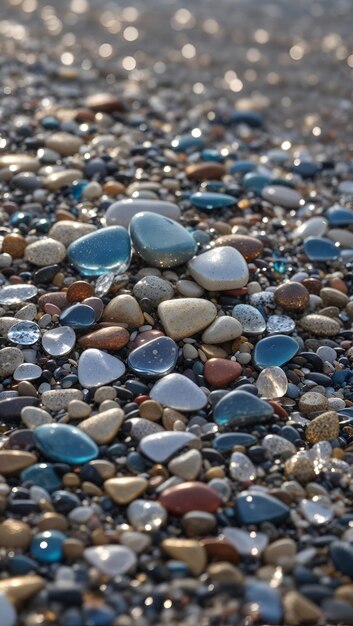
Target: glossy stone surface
241,467
207,200
283,196
250,318
280,325
272,383
190,496
185,317
59,341
178,392
146,515
160,447
105,250
156,358
247,544
43,475
65,443
321,249
239,408
97,368
339,216
268,600
160,241
219,269
24,333
111,560
47,548
12,294
121,212
274,350
252,507
78,316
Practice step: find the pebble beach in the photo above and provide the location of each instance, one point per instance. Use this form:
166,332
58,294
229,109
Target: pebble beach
176,313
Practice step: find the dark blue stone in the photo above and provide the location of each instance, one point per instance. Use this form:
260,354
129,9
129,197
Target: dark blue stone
341,376
207,200
252,507
274,350
160,241
321,249
339,216
267,599
64,501
78,316
65,443
20,565
240,408
106,250
155,358
43,475
242,167
250,118
46,547
306,169
341,554
77,188
100,616
210,154
187,143
255,182
226,442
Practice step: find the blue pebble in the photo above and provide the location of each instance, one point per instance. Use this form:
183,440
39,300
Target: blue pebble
78,316
20,217
268,599
339,216
274,350
155,358
65,443
242,167
341,554
255,508
306,169
210,154
47,548
250,118
43,475
20,565
187,143
240,408
226,442
208,201
105,250
321,249
255,182
77,188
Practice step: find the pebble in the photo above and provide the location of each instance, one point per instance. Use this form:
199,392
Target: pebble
67,231
223,329
64,443
155,289
124,490
250,318
219,269
33,416
272,383
292,296
10,359
240,408
102,251
124,309
15,534
241,468
312,401
63,143
323,428
178,392
249,247
321,249
256,508
274,351
155,358
320,325
13,294
121,213
58,399
111,560
187,550
190,496
283,196
187,465
97,368
208,201
104,426
221,372
298,609
185,317
110,338
59,341
161,446
7,611
45,252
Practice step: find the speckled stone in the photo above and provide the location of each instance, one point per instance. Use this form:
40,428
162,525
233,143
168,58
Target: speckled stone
249,247
10,359
292,296
185,317
155,289
67,231
104,426
58,399
323,428
251,320
300,467
312,401
45,252
219,269
33,416
276,445
320,325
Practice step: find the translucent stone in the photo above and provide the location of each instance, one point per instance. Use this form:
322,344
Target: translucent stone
97,368
12,294
241,467
27,371
250,318
274,350
272,383
247,544
59,341
146,515
103,284
317,511
24,333
111,560
280,324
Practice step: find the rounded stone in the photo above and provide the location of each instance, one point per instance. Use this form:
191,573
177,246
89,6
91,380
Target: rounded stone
15,534
188,550
45,252
59,341
102,251
109,338
124,308
274,351
219,269
65,443
272,383
250,318
320,325
161,446
312,401
184,317
10,359
224,328
292,296
63,143
154,288
122,212
111,560
104,426
123,490
67,231
178,392
249,247
323,428
300,467
221,372
7,611
190,496
97,368
187,465
207,170
33,416
241,468
58,399
281,195
24,333
15,245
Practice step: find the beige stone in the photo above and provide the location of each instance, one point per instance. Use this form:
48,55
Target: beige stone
125,489
188,550
185,317
103,427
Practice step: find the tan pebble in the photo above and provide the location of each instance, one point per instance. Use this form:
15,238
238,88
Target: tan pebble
15,534
67,231
333,297
71,480
19,589
58,399
312,401
151,410
105,469
33,416
345,593
214,472
300,467
103,427
14,245
323,428
185,317
320,325
73,549
91,489
124,308
213,352
45,252
104,102
25,388
106,405
188,550
189,289
187,466
52,521
170,416
113,188
104,393
78,409
13,461
249,247
225,572
222,228
279,551
65,144
124,490
298,609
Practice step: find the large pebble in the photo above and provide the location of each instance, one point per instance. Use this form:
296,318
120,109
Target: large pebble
320,325
185,317
224,328
160,447
67,231
284,196
64,144
45,252
10,359
120,213
155,289
97,368
219,269
65,443
178,392
125,309
104,426
102,251
111,560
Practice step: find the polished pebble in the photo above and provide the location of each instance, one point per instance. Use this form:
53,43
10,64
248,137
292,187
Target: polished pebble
65,443
219,269
97,368
105,250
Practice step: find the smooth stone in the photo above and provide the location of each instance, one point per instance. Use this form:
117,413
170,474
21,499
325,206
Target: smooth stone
178,392
208,200
78,316
187,143
187,465
155,289
7,611
27,371
339,216
146,515
59,341
189,551
321,249
272,383
42,475
190,496
278,552
110,338
184,317
140,428
323,428
161,446
19,589
221,372
62,178
58,399
47,547
63,143
104,103
268,601
316,511
320,325
205,170
22,162
10,359
97,368
341,553
24,333
14,534
292,296
45,252
13,294
189,289
250,318
67,231
122,212
138,542
111,560
219,269
160,241
281,195
65,443
247,544
240,408
298,609
313,227
280,325
104,426
224,328
249,247
124,309
274,350
125,489
196,523
105,250
255,508
10,408
276,446
33,416
333,297
341,236
241,468
226,442
300,467
13,461
155,358
6,324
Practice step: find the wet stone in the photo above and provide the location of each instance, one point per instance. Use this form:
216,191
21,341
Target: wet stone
65,443
110,338
190,496
111,560
272,383
97,368
47,547
121,212
280,325
146,515
155,358
59,341
24,333
274,351
241,468
78,316
13,294
249,247
219,269
250,319
208,201
240,408
161,446
321,249
178,392
106,250
291,296
256,508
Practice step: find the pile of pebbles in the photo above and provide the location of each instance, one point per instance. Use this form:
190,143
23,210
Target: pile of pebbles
176,397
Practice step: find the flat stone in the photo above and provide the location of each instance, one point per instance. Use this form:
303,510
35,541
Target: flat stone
67,231
14,534
97,368
268,601
59,341
13,294
104,426
110,338
178,392
320,325
146,515
160,241
65,443
155,358
272,383
298,609
250,318
104,103
190,496
317,511
124,309
284,196
239,408
207,170
313,227
13,461
125,489
323,428
208,200
219,269
57,180
162,446
221,372
312,401
224,328
10,359
121,212
45,252
105,250
274,351
278,552
276,446
187,465
249,247
255,508
11,408
24,333
321,249
198,523
220,549
22,162
58,399
27,371
185,317
111,560
292,296
247,544
280,325
188,550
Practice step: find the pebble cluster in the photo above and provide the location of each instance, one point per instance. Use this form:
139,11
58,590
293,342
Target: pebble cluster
176,363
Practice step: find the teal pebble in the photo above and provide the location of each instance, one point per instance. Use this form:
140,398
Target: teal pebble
46,547
106,250
208,201
255,508
241,408
78,316
274,350
65,443
321,249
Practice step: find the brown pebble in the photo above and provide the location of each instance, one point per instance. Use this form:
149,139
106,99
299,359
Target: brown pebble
323,428
113,188
220,549
213,352
313,285
300,467
15,534
221,372
338,283
109,338
312,401
14,245
104,103
73,549
52,521
249,247
146,336
13,461
292,296
71,480
58,298
207,170
333,297
78,291
188,550
190,496
151,410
